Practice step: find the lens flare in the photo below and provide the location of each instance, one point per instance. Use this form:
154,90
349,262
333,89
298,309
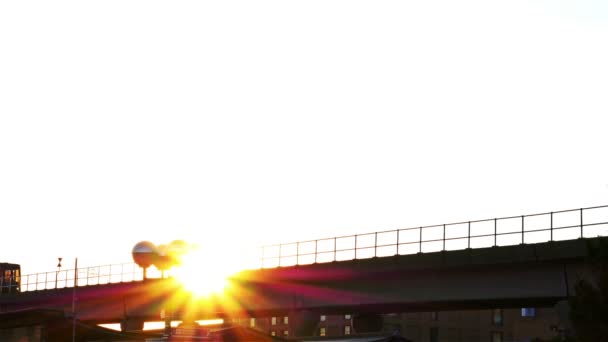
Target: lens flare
206,272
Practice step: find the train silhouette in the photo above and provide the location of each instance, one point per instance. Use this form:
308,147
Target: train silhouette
10,278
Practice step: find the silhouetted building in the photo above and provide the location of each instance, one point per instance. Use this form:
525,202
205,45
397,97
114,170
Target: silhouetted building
494,325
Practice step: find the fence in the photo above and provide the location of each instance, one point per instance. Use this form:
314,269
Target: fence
96,275
535,228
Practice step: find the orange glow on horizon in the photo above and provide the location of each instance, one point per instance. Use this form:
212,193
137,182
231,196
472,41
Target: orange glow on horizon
159,325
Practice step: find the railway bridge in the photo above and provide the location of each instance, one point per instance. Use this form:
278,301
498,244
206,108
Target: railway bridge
528,274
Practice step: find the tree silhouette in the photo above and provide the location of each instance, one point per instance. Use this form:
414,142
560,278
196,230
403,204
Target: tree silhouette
589,307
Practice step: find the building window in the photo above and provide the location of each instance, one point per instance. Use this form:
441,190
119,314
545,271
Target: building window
285,332
347,317
496,336
497,318
347,330
528,312
434,316
434,334
273,333
273,321
323,318
286,320
322,332
252,322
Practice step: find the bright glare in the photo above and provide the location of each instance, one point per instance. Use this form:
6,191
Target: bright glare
154,325
210,321
205,272
112,326
158,325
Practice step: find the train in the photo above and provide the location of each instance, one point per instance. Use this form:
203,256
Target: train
10,278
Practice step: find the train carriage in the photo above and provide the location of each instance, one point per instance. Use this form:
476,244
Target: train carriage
10,278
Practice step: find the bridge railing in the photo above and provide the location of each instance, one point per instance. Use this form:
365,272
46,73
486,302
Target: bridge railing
535,228
504,231
96,275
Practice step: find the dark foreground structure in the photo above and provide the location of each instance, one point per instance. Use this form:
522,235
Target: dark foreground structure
497,325
38,325
42,325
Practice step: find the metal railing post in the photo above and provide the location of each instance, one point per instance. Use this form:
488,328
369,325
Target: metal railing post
420,242
495,230
298,253
469,236
376,245
280,248
443,238
397,246
582,235
551,227
356,238
316,243
522,230
335,248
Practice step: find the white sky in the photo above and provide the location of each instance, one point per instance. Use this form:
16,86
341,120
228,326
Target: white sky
233,123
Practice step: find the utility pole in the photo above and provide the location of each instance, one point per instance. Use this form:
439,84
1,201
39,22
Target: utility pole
74,301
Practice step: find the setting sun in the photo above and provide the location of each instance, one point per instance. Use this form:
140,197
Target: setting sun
206,272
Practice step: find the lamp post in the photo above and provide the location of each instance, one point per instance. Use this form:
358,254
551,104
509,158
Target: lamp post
58,270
